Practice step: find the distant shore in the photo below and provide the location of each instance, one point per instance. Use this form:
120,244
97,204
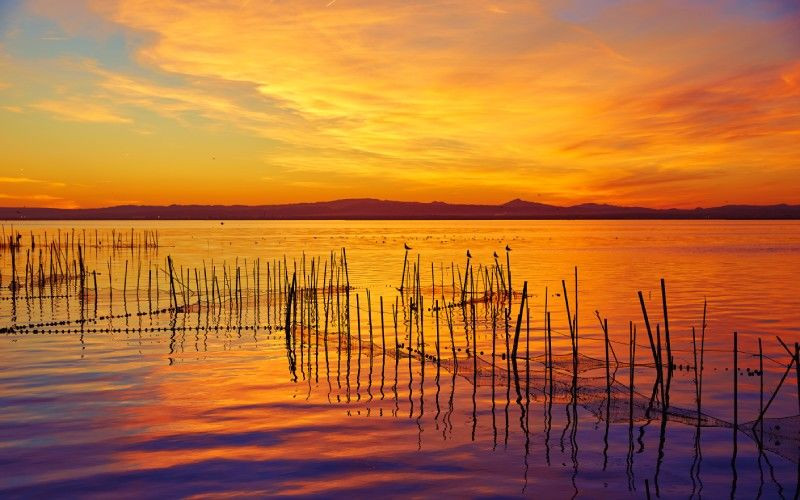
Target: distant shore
373,209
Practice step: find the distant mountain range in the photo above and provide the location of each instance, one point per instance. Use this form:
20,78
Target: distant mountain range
372,209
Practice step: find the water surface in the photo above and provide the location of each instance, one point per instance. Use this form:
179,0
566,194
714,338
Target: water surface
120,398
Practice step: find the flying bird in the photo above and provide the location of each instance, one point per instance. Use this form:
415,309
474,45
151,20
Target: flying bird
405,245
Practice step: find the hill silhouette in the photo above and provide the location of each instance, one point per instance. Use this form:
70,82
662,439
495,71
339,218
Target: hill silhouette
374,209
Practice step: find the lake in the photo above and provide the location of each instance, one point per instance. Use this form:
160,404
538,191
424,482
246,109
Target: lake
123,381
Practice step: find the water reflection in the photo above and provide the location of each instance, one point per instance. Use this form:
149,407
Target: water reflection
158,414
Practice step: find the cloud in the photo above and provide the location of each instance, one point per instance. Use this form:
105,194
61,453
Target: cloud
755,102
654,176
510,98
80,111
38,197
39,200
461,89
28,180
17,180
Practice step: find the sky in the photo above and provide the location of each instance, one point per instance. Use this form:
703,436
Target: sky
654,103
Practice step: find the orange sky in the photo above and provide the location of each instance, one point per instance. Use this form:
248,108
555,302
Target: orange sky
656,103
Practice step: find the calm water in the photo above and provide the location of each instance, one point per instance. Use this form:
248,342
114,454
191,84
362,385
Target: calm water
119,398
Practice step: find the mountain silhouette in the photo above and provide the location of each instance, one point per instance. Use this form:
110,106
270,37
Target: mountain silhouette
374,209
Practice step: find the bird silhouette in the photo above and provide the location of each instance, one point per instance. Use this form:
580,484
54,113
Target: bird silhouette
508,248
469,255
405,245
494,254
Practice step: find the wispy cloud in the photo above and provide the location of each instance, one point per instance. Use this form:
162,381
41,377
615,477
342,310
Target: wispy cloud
37,197
28,180
493,99
18,180
81,111
39,200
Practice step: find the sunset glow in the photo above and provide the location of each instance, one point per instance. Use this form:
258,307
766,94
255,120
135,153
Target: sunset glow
653,103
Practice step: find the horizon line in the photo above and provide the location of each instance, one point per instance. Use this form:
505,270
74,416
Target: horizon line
376,209
382,200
